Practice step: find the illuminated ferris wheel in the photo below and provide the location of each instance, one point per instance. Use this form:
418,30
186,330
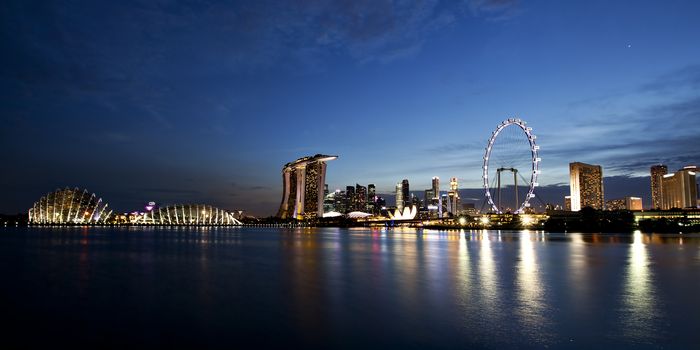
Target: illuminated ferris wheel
511,149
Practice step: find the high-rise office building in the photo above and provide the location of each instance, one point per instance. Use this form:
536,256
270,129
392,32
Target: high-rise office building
428,197
350,198
657,173
405,193
399,196
680,190
586,185
371,199
453,196
303,182
436,190
567,203
360,197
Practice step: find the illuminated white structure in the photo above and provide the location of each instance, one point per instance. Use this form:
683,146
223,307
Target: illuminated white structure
453,197
69,206
357,215
530,148
303,181
406,214
188,214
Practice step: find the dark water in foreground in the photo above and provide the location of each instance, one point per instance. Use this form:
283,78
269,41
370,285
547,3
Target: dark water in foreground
357,288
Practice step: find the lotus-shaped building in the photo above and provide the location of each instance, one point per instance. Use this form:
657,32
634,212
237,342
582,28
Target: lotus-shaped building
188,214
406,214
69,206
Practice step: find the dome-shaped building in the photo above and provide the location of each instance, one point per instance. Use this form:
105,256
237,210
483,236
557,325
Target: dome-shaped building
188,214
69,206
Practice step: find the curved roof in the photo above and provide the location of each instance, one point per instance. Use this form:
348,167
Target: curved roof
310,159
188,214
69,206
357,214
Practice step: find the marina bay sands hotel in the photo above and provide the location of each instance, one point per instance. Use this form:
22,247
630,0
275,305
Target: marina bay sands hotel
303,181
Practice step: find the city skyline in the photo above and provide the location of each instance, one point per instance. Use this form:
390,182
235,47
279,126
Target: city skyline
203,103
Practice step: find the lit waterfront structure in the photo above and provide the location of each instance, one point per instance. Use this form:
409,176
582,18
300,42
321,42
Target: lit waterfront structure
567,203
188,214
303,181
408,213
399,196
69,206
627,203
679,190
586,185
453,196
657,174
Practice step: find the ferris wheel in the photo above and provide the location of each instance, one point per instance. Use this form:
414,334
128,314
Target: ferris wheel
511,149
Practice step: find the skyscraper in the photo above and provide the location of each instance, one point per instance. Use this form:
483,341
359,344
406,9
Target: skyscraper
405,193
371,199
453,196
586,185
428,197
657,173
350,198
399,196
436,189
360,197
303,182
679,190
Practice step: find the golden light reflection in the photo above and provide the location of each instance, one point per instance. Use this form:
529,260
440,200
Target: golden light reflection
487,276
530,291
639,302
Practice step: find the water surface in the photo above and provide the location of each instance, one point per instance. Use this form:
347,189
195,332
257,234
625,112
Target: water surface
352,288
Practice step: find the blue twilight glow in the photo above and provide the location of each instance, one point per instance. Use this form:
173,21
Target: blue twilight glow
205,101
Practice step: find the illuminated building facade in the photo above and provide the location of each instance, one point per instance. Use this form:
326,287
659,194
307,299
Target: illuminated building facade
453,196
567,203
679,190
627,203
69,206
405,193
372,198
586,185
303,181
657,174
360,198
436,190
188,214
399,197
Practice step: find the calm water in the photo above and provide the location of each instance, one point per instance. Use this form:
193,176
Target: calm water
356,288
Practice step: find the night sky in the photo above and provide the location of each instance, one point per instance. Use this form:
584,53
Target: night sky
205,101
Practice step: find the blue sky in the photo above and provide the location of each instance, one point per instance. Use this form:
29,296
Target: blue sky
200,101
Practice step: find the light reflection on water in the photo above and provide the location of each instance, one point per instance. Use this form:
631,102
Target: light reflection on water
639,297
530,291
360,287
